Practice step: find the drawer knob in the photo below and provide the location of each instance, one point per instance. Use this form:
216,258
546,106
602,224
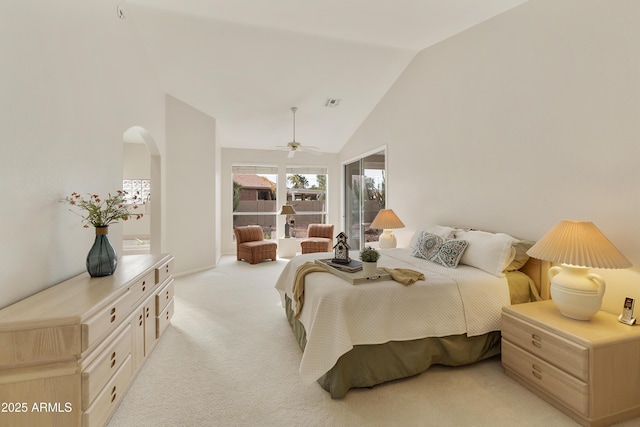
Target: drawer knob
536,344
537,375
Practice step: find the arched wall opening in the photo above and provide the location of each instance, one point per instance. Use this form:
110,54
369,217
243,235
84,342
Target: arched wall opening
149,168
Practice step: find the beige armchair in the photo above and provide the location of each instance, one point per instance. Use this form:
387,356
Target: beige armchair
319,239
251,246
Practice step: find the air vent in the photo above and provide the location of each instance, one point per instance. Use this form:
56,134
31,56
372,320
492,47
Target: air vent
332,102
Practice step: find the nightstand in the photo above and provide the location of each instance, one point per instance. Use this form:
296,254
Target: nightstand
288,247
590,370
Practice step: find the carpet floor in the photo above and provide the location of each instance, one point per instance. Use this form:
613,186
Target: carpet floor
230,359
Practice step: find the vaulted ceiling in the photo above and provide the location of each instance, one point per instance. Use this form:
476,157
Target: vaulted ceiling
247,62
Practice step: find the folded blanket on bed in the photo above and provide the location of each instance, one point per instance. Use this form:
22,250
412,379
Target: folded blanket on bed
298,283
404,275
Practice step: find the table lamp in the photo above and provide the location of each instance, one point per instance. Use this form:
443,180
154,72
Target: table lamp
577,246
287,210
387,220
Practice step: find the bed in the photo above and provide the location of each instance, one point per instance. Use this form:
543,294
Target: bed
362,335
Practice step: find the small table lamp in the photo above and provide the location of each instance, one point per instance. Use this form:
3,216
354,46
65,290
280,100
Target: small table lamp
577,246
287,210
387,220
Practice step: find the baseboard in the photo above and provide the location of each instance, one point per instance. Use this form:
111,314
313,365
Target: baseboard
196,270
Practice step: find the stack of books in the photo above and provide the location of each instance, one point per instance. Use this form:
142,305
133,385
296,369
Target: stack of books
352,267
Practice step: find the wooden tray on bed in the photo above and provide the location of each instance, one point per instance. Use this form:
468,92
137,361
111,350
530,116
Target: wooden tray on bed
357,278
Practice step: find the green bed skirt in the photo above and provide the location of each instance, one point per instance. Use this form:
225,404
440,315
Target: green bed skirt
368,365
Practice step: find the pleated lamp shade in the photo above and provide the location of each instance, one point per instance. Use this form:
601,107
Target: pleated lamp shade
386,219
287,210
578,243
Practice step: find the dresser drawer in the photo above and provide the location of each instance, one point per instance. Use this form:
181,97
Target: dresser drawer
96,375
564,354
163,297
552,381
141,288
106,319
164,318
164,271
108,399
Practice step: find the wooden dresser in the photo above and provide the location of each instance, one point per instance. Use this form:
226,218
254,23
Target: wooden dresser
68,354
588,369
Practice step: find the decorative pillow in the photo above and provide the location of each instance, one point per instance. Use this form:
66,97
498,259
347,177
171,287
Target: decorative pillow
521,247
435,248
438,230
487,251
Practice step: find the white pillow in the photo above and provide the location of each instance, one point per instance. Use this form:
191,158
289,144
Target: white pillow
487,251
438,230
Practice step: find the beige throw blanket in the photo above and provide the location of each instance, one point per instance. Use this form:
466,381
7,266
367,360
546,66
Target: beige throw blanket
401,275
404,275
298,283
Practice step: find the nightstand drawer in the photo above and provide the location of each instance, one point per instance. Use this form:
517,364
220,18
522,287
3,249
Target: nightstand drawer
564,354
552,381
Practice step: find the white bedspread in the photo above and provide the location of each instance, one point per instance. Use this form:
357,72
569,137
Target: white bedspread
338,315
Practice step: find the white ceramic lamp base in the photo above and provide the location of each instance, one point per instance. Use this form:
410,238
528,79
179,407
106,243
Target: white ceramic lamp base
387,240
576,292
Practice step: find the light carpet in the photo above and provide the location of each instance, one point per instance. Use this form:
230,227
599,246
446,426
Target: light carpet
230,359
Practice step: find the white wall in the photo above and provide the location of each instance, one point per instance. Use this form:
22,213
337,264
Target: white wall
190,192
74,78
231,156
519,122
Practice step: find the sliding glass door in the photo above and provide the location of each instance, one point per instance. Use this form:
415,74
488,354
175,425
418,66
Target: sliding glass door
365,181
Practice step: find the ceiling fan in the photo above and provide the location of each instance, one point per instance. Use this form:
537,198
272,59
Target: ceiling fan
293,146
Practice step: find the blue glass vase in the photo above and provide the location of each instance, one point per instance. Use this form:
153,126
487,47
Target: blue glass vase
102,260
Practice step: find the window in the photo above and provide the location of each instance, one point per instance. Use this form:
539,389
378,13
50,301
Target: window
254,197
307,193
137,187
365,195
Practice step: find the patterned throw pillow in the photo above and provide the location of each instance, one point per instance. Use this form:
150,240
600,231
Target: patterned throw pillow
436,249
